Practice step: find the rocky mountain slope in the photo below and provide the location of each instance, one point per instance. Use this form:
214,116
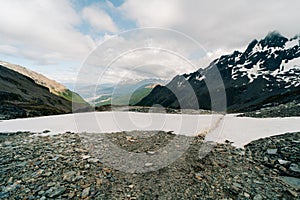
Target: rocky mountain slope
267,73
21,96
53,86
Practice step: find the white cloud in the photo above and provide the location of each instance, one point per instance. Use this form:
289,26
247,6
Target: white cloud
143,54
7,49
218,23
156,13
219,26
52,31
43,30
99,19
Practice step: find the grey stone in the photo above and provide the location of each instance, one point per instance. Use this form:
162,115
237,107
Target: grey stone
237,185
11,187
85,193
112,179
84,157
68,176
257,197
295,194
272,151
10,180
48,174
292,181
150,152
55,191
283,162
4,195
93,160
21,164
246,195
148,164
294,167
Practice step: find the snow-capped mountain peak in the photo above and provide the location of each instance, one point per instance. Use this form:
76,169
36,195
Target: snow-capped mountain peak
266,70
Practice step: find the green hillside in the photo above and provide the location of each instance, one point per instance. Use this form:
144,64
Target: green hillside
124,99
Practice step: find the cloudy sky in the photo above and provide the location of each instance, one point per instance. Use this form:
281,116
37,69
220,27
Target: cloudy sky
56,37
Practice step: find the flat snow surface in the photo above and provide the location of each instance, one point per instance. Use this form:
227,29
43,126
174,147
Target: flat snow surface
240,130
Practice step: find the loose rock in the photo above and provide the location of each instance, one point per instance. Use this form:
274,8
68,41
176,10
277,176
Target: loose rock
85,193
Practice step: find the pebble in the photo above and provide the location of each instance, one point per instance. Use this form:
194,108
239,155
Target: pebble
50,184
93,160
292,181
257,197
55,191
84,157
12,187
4,195
272,151
47,174
68,176
151,152
148,164
246,195
237,185
283,162
85,193
258,182
294,167
112,179
10,180
293,193
198,176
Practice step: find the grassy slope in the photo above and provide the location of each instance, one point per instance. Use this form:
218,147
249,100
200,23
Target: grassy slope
72,96
123,100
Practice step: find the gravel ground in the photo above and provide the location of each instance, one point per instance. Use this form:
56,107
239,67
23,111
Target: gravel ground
66,166
290,109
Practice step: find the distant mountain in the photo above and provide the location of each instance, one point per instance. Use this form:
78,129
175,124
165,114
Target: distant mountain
266,73
120,94
125,99
54,87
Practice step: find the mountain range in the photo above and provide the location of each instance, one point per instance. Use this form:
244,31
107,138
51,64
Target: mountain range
266,73
123,93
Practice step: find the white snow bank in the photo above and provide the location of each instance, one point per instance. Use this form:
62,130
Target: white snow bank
240,130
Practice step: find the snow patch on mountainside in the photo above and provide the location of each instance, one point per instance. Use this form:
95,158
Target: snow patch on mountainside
200,77
291,43
294,63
